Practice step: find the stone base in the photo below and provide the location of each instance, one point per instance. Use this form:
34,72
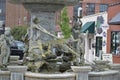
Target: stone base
81,72
104,75
14,60
17,68
17,72
4,75
81,68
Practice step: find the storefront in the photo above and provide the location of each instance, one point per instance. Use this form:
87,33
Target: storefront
96,39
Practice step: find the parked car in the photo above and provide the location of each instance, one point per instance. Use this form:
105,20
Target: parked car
17,48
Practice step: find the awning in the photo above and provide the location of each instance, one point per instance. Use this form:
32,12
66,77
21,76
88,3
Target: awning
89,26
115,20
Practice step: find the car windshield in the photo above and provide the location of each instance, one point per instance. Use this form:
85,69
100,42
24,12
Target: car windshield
20,45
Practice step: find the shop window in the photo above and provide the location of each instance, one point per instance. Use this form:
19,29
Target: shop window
103,7
90,9
115,42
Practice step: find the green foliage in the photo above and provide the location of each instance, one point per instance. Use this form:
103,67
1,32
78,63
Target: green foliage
65,27
18,32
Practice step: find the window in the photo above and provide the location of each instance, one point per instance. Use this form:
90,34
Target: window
76,10
2,9
103,7
90,9
115,41
2,18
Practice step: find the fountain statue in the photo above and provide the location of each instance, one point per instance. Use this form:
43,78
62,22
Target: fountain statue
5,41
45,51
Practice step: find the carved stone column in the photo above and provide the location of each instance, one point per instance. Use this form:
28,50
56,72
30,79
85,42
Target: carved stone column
81,72
17,72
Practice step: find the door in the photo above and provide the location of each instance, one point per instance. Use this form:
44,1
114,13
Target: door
98,46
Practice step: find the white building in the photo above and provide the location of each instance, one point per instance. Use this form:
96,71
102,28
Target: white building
95,41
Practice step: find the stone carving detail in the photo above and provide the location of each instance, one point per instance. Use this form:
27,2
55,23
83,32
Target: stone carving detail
53,55
45,21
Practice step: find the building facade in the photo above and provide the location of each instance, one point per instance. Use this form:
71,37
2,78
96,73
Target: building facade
113,39
95,41
89,7
12,14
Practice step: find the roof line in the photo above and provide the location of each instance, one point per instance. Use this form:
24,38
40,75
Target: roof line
114,4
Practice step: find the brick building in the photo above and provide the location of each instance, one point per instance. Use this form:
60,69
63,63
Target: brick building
114,31
89,7
12,14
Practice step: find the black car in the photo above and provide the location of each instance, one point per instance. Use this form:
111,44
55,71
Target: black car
17,48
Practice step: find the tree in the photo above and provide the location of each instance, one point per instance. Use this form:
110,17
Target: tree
18,32
65,27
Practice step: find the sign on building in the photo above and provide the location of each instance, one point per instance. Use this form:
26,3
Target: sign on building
108,57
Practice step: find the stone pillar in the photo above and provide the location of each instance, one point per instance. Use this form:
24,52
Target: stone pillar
14,60
81,72
45,13
4,75
17,72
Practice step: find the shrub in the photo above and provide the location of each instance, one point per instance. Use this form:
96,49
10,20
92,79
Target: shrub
18,32
65,27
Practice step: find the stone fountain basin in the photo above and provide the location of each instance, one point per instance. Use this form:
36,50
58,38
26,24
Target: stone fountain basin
55,76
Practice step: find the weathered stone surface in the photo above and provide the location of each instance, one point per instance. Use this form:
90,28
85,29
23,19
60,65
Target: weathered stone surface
104,75
45,5
81,68
116,67
46,21
4,75
17,72
17,68
57,76
65,2
41,7
100,65
81,72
